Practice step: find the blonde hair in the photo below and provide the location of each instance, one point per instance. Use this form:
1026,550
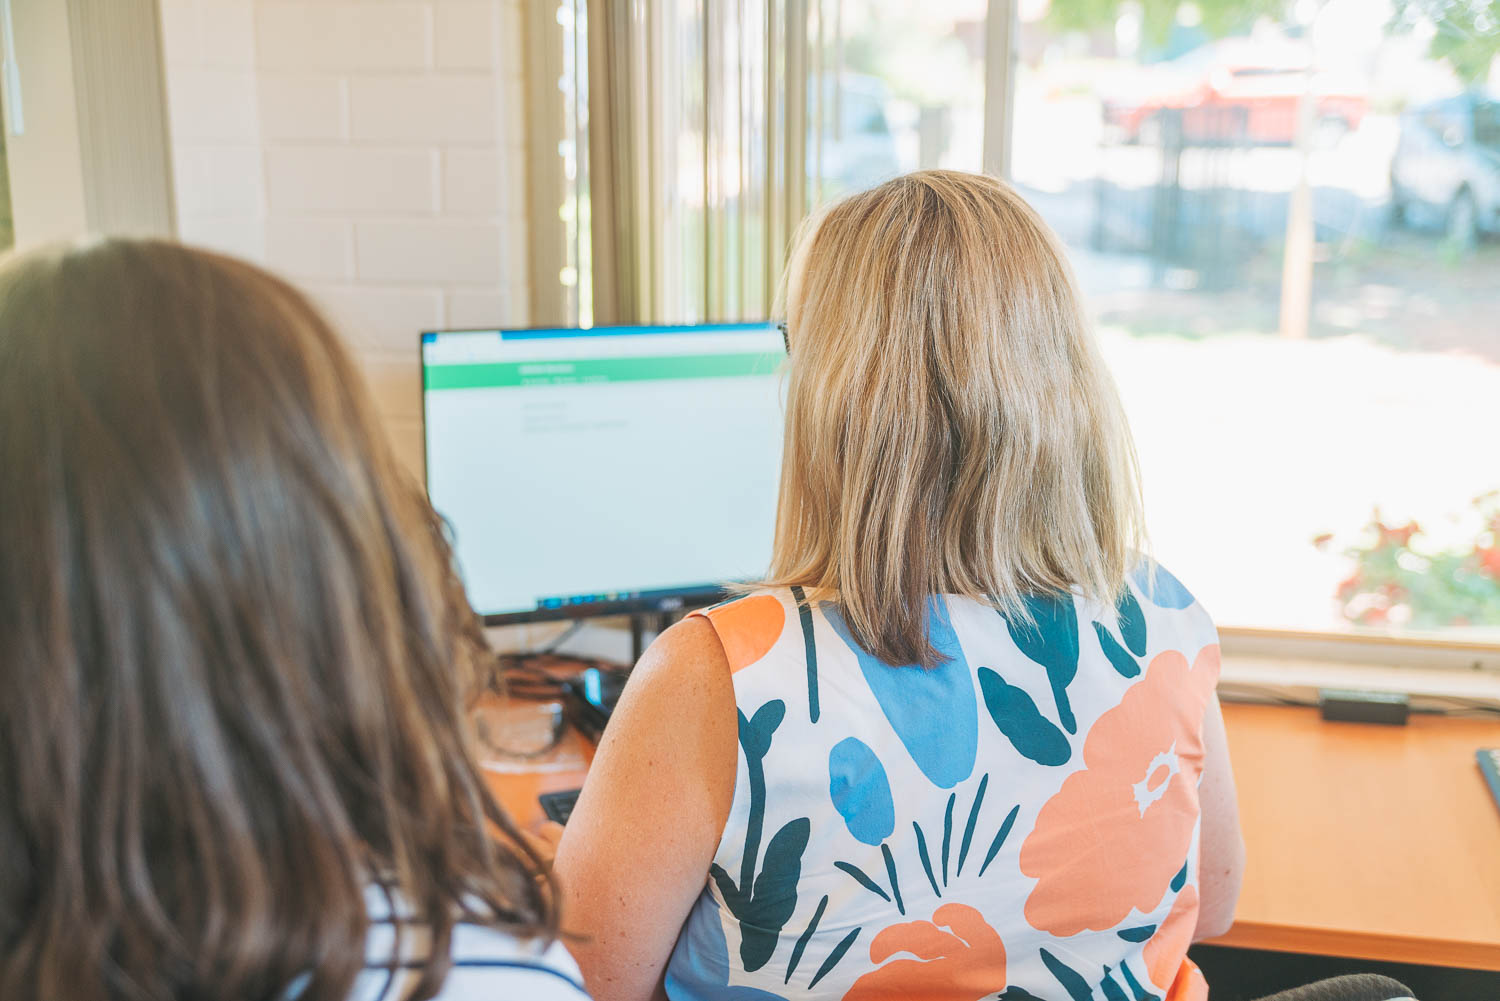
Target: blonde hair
951,427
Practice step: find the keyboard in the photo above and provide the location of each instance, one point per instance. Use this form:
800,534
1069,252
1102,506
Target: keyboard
1489,764
558,806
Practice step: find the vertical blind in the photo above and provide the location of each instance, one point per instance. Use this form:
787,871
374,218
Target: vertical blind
693,137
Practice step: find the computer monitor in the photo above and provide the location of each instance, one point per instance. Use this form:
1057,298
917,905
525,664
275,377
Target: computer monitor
603,470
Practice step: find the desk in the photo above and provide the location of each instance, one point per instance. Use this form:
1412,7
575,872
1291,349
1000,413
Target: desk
1364,841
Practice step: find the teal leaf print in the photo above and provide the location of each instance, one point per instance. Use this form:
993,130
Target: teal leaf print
810,647
775,895
1000,836
890,870
1078,988
1139,934
806,936
1017,994
1052,641
1132,623
1119,658
963,847
862,879
1032,734
934,712
926,859
763,903
756,733
1179,880
834,957
1141,994
860,791
947,833
1111,988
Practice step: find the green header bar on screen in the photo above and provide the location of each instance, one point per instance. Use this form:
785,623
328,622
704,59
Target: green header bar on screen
579,371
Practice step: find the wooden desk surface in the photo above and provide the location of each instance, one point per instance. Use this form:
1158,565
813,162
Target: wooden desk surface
1365,841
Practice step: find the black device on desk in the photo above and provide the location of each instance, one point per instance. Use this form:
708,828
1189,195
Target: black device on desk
558,806
590,699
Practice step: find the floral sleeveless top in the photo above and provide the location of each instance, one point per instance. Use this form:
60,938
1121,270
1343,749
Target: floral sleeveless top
1020,822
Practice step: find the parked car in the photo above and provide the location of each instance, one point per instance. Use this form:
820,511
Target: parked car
1239,90
1447,166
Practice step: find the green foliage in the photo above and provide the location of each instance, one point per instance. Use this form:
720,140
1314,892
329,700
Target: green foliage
1468,32
1398,582
1220,17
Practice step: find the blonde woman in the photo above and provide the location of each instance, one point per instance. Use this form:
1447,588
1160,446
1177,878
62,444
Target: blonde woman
964,742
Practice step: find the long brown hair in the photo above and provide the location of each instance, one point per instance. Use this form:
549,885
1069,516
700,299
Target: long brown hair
951,427
235,661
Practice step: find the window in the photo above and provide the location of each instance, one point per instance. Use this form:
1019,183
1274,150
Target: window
1298,305
1487,124
1294,282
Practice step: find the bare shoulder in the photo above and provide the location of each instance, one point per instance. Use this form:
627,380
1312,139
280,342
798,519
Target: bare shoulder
684,668
679,695
688,646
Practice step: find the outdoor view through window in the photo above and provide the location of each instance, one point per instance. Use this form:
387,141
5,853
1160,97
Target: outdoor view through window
1284,218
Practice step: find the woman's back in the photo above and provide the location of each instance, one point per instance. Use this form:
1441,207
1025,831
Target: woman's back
1021,818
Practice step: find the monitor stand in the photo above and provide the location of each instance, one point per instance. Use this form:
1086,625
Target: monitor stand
643,622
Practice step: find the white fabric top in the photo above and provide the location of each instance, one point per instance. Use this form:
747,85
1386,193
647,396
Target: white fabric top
488,965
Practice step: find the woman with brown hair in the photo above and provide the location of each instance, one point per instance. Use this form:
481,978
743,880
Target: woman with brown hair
236,665
963,742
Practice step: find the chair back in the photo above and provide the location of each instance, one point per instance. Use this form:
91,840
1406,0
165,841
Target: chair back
1352,987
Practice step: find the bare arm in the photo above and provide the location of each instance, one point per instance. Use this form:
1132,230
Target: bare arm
1221,855
637,849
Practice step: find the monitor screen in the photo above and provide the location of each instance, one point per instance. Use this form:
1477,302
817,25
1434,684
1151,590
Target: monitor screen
590,471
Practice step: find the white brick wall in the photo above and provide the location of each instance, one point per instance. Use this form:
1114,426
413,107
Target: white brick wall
371,151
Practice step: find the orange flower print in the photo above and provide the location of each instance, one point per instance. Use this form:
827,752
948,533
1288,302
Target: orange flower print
1166,951
964,963
747,628
1114,835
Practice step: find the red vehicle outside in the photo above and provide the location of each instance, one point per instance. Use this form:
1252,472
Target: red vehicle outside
1237,90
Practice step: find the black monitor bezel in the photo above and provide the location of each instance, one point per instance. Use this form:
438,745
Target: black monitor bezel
663,600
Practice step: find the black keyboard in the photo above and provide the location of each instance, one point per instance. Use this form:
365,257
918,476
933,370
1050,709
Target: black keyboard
558,806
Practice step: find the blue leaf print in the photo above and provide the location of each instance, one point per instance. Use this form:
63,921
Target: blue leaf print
934,712
1052,641
860,791
1031,733
1132,623
1138,934
1160,587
